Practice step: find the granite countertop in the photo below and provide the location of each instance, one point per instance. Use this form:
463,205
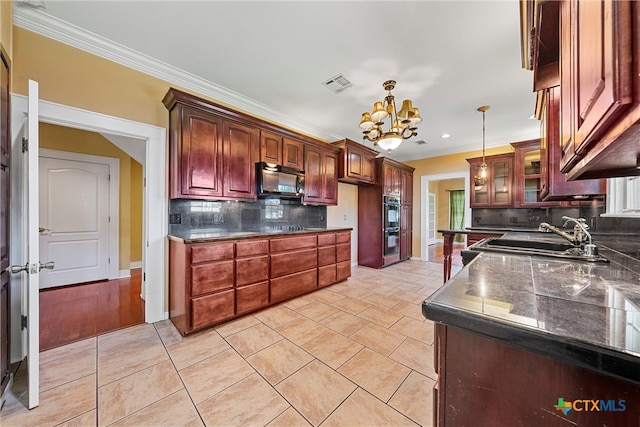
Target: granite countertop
204,236
582,313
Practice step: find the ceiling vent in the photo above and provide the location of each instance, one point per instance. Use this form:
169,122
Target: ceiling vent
337,84
420,142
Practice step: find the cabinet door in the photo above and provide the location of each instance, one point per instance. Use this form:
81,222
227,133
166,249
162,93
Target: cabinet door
530,172
200,158
240,151
501,172
313,174
270,148
406,193
392,180
596,68
329,178
293,153
554,185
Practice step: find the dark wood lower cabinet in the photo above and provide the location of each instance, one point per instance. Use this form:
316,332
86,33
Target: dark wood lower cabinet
482,382
216,281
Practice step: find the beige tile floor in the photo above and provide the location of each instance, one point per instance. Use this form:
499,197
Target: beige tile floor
358,353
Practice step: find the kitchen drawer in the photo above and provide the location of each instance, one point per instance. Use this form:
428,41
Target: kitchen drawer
326,239
292,262
293,243
211,252
343,252
212,308
252,297
252,270
343,271
326,255
293,285
252,248
211,277
343,237
326,275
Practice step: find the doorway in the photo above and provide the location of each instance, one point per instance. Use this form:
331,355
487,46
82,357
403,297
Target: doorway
140,139
429,225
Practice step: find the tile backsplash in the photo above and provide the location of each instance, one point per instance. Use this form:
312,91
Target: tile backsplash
187,215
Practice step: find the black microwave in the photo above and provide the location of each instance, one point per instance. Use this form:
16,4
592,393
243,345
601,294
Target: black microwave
281,181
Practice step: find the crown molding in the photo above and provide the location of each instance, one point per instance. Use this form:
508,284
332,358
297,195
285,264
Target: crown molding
49,26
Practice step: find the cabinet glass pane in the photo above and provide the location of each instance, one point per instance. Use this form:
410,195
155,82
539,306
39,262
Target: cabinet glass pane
531,190
532,162
501,181
481,194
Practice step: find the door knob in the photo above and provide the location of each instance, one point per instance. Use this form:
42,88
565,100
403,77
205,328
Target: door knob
42,229
13,269
48,265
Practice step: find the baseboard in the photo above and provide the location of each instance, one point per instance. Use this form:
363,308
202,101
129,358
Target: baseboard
125,274
416,258
135,264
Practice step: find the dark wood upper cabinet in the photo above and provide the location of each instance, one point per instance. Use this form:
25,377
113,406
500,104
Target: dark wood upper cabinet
280,150
497,190
292,153
213,151
389,176
357,162
553,183
599,81
321,175
196,154
528,176
270,148
240,148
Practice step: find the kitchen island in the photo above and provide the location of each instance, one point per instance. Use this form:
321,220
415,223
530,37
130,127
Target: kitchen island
519,337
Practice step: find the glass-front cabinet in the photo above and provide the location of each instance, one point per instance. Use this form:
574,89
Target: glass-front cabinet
496,189
528,176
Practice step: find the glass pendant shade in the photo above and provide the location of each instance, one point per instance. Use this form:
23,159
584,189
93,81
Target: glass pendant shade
389,142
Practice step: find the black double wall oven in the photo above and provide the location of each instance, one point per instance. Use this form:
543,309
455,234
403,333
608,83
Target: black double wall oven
391,215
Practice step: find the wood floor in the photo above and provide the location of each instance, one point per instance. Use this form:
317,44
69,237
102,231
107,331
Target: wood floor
435,253
73,313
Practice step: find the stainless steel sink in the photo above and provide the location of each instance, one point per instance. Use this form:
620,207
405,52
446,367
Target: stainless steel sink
535,247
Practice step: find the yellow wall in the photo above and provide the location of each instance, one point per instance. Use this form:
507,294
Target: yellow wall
80,141
436,166
6,26
136,211
442,201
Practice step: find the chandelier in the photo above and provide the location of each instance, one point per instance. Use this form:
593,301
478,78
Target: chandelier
481,174
403,124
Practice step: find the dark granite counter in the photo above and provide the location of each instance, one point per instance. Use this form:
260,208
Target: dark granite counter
585,314
204,236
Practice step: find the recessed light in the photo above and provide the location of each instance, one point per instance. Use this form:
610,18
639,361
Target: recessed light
445,136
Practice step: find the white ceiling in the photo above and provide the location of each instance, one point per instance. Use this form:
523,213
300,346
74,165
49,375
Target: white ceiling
449,57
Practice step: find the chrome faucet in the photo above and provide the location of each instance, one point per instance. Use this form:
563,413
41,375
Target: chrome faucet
580,228
580,238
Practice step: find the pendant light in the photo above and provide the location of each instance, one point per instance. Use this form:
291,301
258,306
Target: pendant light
481,174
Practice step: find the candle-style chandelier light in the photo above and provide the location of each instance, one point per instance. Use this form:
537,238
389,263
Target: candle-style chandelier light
403,123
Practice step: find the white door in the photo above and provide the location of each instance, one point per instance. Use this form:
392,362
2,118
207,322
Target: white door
29,268
74,221
431,219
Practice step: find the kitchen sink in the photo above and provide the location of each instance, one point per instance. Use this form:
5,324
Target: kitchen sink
535,247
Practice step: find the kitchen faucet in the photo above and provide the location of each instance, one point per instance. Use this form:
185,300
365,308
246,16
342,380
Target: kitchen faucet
580,238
